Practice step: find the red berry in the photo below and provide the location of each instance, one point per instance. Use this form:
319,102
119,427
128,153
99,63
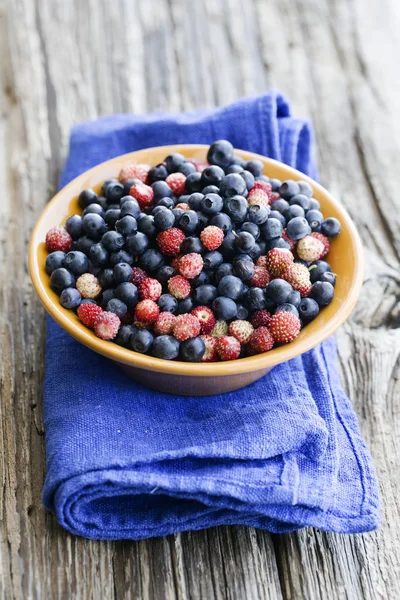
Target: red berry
146,311
106,325
212,237
179,287
183,206
134,171
88,286
228,347
150,289
58,238
310,248
322,238
265,186
292,243
261,340
200,165
191,265
261,261
261,318
278,260
164,324
258,196
170,241
241,330
176,182
175,262
143,193
138,275
284,327
186,326
261,278
210,354
299,278
88,313
206,318
274,197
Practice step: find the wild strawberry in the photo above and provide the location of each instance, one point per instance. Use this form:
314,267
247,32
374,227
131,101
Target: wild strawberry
210,354
88,286
134,171
143,324
106,325
175,262
179,287
261,261
265,186
228,347
176,182
58,238
164,324
322,238
170,241
299,278
241,330
212,237
143,193
261,340
183,206
292,243
257,196
260,318
200,165
191,265
310,248
88,313
275,196
146,311
220,328
284,327
138,275
278,260
186,326
206,318
261,278
150,289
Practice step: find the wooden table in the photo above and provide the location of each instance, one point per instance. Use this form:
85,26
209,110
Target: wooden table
64,61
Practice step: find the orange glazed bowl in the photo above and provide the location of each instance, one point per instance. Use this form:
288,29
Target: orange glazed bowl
176,377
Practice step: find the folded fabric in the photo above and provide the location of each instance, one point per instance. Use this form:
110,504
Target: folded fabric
124,461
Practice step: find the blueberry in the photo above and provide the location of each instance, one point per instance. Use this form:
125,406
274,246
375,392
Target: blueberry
262,246
294,298
289,188
255,167
329,277
54,261
272,228
222,221
93,225
85,243
275,184
280,206
244,241
234,169
278,291
251,228
317,268
203,278
223,270
308,309
88,301
164,273
128,293
166,347
106,296
122,272
293,211
242,312
275,214
177,212
187,168
74,226
146,225
224,308
195,200
141,341
255,252
76,262
182,199
94,209
238,160
236,207
113,191
87,197
314,204
203,221
248,178
204,294
127,186
189,221
244,269
137,243
314,218
167,303
151,260
232,185
227,247
298,228
124,336
106,278
60,279
212,176
254,299
130,207
212,204
126,225
258,214
300,200
111,216
287,307
192,350
230,286
166,202
185,306
191,244
70,298
164,219
173,161
119,257
330,227
212,260
210,189
116,306
322,292
98,255
157,173
112,241
278,243
220,153
193,183
305,188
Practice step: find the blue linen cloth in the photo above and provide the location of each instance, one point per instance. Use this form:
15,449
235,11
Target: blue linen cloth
124,461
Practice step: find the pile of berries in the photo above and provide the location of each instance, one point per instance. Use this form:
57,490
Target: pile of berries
195,261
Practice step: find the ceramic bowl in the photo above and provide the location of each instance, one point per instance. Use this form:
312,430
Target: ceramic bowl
175,377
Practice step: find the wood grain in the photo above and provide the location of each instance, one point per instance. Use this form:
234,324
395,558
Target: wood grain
64,62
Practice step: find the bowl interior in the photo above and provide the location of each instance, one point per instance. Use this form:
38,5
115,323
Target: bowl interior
346,259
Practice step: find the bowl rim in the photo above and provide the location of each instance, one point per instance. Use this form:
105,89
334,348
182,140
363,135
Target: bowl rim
253,363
